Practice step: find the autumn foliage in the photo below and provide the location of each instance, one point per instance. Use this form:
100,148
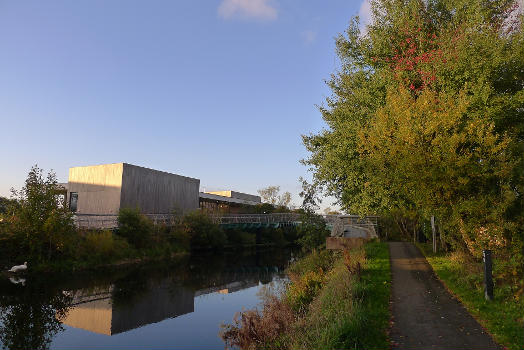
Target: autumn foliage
425,119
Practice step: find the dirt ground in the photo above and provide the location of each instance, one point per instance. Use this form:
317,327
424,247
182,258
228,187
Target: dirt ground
425,315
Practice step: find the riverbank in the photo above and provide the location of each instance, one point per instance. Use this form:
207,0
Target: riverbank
334,300
504,316
147,257
136,240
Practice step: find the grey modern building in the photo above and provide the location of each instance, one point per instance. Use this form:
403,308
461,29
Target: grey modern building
104,189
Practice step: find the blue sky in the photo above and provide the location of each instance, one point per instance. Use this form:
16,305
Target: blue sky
217,90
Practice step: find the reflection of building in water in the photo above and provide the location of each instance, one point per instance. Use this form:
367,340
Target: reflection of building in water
228,288
95,311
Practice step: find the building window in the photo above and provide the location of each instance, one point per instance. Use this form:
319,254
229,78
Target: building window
73,201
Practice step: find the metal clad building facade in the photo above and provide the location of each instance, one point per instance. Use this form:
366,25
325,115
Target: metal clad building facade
104,189
157,192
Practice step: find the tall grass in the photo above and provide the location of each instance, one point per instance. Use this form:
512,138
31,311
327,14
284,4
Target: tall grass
333,301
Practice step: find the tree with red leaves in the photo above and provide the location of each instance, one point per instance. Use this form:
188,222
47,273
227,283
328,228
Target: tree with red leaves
426,117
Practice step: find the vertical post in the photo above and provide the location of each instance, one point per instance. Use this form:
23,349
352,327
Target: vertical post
434,234
488,276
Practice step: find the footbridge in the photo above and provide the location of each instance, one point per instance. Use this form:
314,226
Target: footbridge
339,225
273,220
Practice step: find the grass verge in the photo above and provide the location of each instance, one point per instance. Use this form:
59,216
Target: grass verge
503,317
334,301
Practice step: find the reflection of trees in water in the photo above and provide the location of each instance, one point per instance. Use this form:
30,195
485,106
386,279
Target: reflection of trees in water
30,316
243,265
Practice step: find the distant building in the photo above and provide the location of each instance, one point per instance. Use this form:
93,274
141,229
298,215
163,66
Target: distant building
227,201
104,189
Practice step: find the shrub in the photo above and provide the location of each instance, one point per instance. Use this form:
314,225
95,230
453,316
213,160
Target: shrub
315,261
273,236
290,233
302,291
104,245
202,231
247,238
312,232
135,227
179,238
100,243
238,237
253,328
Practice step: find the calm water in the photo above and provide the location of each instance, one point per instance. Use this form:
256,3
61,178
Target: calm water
163,305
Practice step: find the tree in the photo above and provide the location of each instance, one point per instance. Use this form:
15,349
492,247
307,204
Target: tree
6,205
271,195
312,231
424,120
39,223
329,211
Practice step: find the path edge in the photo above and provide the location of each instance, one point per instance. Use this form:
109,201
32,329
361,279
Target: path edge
480,321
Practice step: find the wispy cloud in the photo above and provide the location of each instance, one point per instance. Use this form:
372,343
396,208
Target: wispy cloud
365,15
309,36
247,9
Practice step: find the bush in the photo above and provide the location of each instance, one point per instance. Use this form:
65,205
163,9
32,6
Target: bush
247,238
302,291
179,238
203,232
290,234
315,261
238,237
135,227
273,236
105,245
312,232
253,328
307,277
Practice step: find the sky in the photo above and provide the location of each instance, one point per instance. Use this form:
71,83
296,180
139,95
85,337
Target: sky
218,90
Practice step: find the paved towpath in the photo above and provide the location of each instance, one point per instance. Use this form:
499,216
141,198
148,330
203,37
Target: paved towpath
425,315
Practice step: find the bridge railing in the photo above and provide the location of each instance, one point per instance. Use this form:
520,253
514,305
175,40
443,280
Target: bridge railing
110,221
256,218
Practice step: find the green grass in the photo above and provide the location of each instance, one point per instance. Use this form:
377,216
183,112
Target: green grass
349,313
502,317
376,280
327,305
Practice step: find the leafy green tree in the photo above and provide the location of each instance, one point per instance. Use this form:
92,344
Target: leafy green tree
39,223
312,231
6,205
426,118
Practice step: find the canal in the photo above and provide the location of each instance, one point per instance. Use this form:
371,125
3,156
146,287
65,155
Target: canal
177,304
